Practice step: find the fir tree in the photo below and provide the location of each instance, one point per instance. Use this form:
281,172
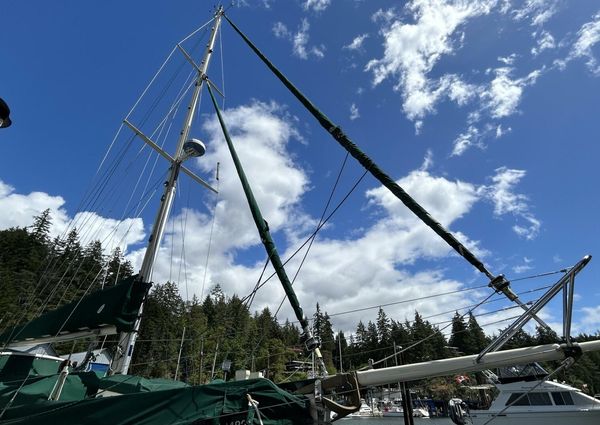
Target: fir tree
461,338
479,340
383,328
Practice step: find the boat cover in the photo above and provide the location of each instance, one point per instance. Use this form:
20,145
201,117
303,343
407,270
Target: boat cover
117,306
222,403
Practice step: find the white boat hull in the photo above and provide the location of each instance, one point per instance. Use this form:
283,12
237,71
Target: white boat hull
393,414
580,417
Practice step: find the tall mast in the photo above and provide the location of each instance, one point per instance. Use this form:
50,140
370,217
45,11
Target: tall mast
127,339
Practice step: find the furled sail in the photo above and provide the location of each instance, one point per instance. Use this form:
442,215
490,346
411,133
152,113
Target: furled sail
103,312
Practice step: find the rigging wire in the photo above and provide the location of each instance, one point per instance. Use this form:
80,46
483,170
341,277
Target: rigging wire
94,195
307,240
212,226
314,235
413,345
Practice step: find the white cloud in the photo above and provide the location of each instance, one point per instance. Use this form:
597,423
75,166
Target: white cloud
457,90
369,263
260,133
524,266
18,210
354,114
590,321
588,37
475,136
412,50
316,5
545,41
414,46
357,43
505,201
280,30
465,140
501,131
537,11
499,99
504,93
299,40
386,16
427,161
508,60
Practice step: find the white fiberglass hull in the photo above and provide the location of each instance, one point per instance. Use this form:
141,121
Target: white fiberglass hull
393,414
574,417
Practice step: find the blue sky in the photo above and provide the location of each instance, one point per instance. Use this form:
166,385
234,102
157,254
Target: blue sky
485,111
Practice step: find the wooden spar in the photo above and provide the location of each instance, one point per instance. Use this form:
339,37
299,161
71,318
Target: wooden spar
415,371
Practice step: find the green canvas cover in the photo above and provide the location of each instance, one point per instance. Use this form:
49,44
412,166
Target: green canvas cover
213,404
16,366
128,384
37,389
117,306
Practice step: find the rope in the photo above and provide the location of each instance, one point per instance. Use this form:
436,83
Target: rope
254,404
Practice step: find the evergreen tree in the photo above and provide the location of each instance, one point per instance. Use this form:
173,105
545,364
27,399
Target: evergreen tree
340,350
40,230
117,268
399,333
361,334
479,340
383,328
461,338
545,336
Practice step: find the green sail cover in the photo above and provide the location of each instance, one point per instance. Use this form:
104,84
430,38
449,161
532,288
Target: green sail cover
213,404
117,306
37,389
128,384
18,366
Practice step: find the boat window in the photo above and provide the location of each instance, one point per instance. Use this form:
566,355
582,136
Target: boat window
558,399
562,398
531,399
539,399
524,401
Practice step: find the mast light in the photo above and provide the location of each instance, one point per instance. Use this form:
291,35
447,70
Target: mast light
193,148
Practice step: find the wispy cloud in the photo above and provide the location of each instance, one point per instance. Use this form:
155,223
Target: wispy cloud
504,93
538,12
588,37
497,100
354,114
316,5
506,201
357,42
281,31
545,41
525,266
299,40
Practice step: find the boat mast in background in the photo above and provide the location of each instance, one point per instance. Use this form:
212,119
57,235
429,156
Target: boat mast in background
185,149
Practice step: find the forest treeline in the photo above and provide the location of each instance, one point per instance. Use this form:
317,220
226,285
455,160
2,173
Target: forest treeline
191,340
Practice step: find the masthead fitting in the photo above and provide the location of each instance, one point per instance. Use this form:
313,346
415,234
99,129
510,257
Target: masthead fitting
193,148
